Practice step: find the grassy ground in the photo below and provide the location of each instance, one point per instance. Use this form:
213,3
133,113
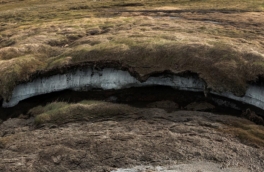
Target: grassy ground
222,41
247,132
102,136
60,113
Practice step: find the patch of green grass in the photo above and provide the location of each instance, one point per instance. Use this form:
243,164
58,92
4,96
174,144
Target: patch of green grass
49,107
61,113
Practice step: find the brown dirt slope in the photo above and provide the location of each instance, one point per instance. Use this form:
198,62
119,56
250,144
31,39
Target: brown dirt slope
121,136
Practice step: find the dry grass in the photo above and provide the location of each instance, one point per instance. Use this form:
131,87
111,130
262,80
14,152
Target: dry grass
5,141
36,36
248,132
61,113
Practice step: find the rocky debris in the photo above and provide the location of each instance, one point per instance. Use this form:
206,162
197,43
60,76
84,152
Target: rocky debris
200,106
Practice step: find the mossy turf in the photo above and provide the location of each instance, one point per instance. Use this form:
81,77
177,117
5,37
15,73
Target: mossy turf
222,41
60,113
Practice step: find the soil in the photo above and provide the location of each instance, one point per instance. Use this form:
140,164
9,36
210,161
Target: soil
148,140
222,46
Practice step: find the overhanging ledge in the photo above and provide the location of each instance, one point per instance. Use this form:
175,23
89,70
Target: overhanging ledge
111,78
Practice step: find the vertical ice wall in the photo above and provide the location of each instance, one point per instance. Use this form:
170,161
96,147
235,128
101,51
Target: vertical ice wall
110,78
253,96
88,78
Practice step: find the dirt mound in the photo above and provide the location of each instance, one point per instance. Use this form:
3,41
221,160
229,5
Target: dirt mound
140,136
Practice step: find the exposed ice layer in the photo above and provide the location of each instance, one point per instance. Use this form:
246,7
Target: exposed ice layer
117,79
253,96
105,79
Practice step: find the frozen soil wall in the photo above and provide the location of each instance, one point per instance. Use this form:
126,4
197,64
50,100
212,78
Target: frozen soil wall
111,78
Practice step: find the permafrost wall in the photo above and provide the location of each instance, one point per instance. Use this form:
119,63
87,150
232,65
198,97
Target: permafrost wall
105,79
109,78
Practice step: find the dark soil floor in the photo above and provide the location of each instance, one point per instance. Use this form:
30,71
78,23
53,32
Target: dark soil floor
184,140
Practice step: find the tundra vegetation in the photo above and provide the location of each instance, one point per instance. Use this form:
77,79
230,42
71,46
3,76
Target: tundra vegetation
220,40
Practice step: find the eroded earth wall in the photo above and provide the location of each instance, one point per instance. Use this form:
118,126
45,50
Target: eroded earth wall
110,78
